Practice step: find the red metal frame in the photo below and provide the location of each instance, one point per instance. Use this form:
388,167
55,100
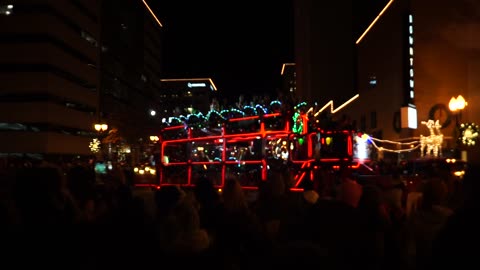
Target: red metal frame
307,164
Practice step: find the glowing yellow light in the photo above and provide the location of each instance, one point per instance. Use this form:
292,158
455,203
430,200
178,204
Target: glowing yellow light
100,127
95,145
328,140
330,104
153,14
141,171
147,168
456,104
135,169
374,21
284,65
152,171
433,142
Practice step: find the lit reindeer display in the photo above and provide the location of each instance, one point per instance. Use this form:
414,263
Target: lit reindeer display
432,142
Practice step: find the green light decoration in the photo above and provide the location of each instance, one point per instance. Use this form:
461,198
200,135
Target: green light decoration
297,123
468,134
301,141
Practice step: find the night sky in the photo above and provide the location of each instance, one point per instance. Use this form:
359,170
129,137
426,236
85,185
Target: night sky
240,46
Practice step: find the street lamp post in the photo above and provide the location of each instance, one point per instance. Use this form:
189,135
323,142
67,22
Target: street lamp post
100,127
456,106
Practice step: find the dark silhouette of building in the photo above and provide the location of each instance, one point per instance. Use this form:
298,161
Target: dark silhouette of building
288,88
324,50
61,72
184,96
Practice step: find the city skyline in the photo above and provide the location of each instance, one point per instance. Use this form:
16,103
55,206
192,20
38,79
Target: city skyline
240,48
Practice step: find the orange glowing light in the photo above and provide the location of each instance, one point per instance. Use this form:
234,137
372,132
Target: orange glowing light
373,22
151,12
330,104
284,65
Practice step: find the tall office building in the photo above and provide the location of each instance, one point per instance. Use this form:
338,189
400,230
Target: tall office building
48,61
324,50
61,72
288,88
131,64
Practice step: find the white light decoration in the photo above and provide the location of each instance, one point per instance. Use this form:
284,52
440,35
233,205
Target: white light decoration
410,57
191,85
468,134
433,142
362,148
94,145
413,145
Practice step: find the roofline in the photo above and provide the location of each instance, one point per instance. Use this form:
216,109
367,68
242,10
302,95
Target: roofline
151,12
283,67
191,79
374,21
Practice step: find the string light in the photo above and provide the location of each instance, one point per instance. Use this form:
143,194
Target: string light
94,145
469,134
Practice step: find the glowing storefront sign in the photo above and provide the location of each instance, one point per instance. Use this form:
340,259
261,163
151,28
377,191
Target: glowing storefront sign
191,85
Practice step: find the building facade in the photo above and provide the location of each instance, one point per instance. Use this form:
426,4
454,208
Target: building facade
131,68
48,61
324,50
288,83
68,64
183,96
419,59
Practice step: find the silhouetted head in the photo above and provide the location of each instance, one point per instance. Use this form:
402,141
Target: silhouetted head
167,197
205,191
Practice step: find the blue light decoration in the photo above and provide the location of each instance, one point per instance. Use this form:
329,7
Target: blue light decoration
249,110
275,106
214,118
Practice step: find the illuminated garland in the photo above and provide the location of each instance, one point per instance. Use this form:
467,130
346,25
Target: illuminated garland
468,134
214,117
94,145
297,123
